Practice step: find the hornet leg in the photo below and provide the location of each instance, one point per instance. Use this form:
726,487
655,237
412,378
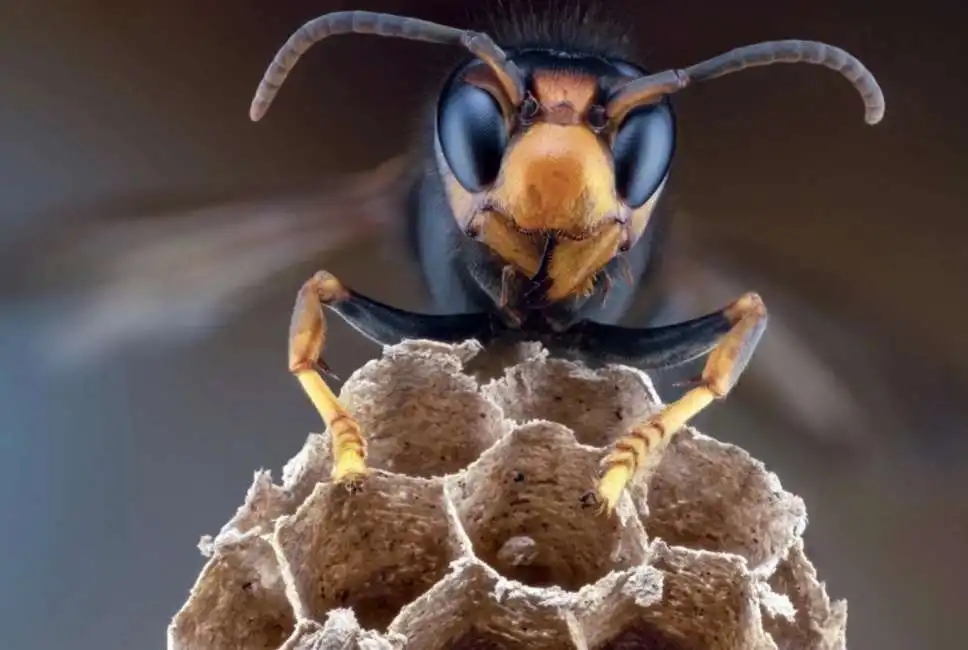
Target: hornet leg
376,321
727,360
647,348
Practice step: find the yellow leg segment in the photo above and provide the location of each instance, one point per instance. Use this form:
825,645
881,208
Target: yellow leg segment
725,364
307,337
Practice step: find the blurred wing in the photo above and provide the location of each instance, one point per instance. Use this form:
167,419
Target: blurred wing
168,276
828,366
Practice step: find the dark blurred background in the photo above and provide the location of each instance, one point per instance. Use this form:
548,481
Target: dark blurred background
112,471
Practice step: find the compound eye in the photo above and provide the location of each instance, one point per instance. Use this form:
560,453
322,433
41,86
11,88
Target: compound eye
643,149
473,136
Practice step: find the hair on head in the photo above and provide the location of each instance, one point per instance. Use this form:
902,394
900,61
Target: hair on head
567,26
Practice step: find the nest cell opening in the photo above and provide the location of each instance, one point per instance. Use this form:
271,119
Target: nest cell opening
462,611
374,551
239,600
599,406
421,415
700,477
642,635
523,509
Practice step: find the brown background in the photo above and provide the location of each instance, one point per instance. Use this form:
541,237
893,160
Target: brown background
110,475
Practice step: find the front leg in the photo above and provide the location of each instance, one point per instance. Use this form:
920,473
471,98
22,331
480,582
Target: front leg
725,364
378,322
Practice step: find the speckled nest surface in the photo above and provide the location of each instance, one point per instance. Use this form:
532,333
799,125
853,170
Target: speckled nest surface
471,532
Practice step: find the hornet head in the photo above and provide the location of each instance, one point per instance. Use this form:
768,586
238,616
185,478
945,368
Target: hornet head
552,183
553,161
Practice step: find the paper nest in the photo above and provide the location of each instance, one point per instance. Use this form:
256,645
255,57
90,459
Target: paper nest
471,533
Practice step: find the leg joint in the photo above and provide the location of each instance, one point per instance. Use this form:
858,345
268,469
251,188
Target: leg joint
329,289
749,304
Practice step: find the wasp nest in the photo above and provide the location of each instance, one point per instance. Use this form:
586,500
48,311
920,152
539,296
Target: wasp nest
472,533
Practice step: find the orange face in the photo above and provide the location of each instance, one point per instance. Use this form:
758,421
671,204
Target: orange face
556,179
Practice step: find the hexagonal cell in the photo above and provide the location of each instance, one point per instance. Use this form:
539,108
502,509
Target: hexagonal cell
598,405
340,632
477,640
372,551
474,608
238,601
310,466
264,503
706,600
641,635
706,494
614,603
492,362
814,622
522,507
421,414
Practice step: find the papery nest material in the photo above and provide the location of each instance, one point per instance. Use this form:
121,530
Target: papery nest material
471,532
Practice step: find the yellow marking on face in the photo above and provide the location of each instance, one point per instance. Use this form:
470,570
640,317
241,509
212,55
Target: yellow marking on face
557,178
522,250
574,264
